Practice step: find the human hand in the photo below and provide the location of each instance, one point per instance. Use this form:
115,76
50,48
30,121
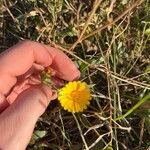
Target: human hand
23,98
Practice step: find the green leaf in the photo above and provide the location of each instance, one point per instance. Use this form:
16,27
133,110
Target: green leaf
147,32
37,135
147,70
124,2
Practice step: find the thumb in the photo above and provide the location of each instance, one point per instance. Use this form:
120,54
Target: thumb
17,122
35,100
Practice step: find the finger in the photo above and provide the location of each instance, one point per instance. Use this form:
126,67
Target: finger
3,103
21,86
17,121
63,66
35,69
19,59
25,83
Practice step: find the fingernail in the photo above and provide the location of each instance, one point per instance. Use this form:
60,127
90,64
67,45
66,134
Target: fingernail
76,76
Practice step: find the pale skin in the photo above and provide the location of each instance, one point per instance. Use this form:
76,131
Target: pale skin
23,97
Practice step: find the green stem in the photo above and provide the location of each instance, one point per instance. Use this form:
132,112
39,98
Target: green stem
138,104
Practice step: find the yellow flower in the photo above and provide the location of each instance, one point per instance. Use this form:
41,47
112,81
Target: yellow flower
75,96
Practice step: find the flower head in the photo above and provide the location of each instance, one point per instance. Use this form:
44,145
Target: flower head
75,96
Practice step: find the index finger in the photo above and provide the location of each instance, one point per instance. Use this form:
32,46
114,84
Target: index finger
19,59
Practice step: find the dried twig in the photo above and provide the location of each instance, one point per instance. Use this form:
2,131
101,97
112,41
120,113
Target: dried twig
95,6
135,4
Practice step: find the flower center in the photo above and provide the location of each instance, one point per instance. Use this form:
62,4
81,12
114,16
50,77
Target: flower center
75,95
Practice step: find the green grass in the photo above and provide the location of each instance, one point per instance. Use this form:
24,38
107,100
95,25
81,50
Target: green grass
109,41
